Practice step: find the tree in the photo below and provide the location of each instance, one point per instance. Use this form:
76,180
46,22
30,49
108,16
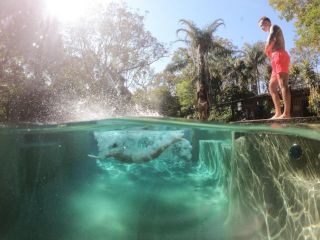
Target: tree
313,81
254,58
113,51
29,57
179,61
201,42
226,110
186,96
220,69
178,76
19,26
303,75
103,58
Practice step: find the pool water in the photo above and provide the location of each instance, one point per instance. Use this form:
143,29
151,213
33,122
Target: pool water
162,179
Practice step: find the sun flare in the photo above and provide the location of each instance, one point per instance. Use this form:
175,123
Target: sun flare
68,10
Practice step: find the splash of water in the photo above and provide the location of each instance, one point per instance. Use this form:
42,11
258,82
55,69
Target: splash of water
83,110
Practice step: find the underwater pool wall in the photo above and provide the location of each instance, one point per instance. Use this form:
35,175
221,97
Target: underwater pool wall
30,161
274,187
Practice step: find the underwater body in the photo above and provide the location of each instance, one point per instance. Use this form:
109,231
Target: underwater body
149,178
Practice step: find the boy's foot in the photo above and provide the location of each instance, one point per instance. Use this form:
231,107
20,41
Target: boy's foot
276,116
283,116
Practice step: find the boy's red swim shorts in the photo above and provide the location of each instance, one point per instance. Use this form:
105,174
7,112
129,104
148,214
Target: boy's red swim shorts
280,61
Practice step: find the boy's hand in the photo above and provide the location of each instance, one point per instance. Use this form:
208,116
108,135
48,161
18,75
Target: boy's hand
268,53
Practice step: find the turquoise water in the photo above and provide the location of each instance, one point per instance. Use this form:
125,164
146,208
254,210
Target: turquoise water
159,179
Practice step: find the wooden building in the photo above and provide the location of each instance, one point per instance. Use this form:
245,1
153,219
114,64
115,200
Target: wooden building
261,106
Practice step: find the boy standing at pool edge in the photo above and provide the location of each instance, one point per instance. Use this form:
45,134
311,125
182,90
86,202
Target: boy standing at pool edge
280,60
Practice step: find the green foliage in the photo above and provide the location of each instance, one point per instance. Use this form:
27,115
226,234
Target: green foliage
302,74
158,99
170,105
314,100
309,75
221,114
305,75
186,95
227,69
312,80
200,38
254,58
294,75
233,93
179,61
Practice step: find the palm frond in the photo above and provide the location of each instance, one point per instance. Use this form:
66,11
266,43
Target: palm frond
211,28
190,30
190,24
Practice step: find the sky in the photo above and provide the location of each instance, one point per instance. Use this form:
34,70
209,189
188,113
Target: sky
240,17
162,18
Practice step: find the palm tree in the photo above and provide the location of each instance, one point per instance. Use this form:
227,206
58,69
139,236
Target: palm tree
234,72
254,58
201,42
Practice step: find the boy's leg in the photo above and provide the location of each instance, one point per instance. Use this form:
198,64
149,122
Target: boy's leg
273,85
286,95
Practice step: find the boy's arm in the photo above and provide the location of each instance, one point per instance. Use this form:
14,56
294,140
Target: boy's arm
268,49
271,41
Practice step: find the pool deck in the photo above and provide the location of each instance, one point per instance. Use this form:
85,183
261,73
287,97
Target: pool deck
293,120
